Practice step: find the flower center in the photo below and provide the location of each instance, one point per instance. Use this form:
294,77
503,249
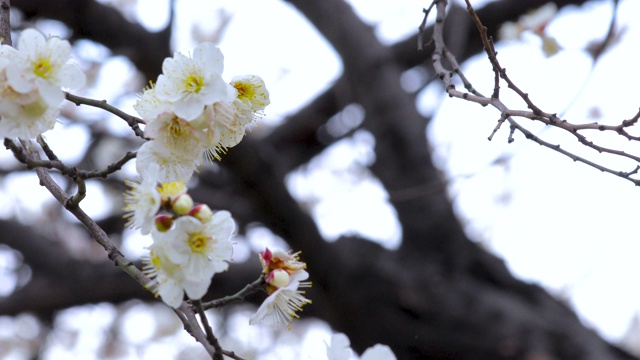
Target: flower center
198,242
245,91
171,190
194,84
175,127
42,68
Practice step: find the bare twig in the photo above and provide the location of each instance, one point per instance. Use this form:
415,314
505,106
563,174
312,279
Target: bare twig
95,231
238,297
534,113
132,121
197,305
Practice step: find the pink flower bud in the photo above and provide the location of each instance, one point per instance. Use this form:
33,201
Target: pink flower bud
202,212
163,222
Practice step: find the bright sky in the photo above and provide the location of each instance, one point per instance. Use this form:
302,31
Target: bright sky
563,225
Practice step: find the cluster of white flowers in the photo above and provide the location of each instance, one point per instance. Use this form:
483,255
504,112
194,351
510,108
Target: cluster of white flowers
283,273
190,242
31,81
340,349
192,113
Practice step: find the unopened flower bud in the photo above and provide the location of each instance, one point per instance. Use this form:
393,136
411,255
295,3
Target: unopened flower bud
202,212
278,278
182,204
163,222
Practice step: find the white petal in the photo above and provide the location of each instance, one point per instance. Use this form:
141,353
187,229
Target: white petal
339,349
19,78
170,293
196,289
378,352
50,92
31,41
71,77
189,108
209,55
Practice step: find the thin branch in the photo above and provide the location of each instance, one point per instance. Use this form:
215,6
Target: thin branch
211,339
423,25
131,120
72,172
238,297
535,113
190,323
31,154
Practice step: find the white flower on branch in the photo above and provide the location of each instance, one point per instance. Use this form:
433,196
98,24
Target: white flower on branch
186,253
31,82
43,65
283,273
190,84
251,90
283,303
169,281
200,249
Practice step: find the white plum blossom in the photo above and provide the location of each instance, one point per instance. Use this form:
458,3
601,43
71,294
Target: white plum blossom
279,259
175,134
31,81
200,249
190,84
252,90
143,201
283,274
43,65
186,251
169,281
283,303
340,349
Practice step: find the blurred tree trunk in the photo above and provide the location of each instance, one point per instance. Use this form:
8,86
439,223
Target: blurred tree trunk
439,296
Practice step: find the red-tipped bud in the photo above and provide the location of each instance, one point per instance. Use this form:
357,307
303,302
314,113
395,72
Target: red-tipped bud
163,222
202,212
